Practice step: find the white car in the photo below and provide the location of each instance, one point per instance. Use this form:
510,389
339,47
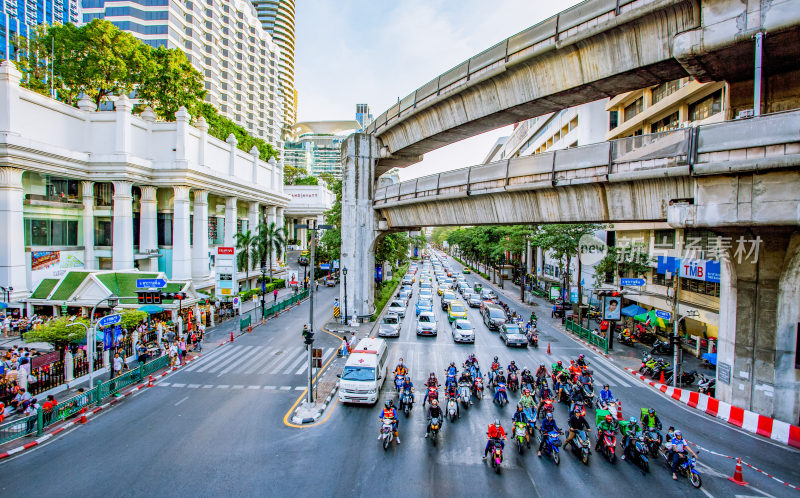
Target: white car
426,324
463,331
390,326
397,307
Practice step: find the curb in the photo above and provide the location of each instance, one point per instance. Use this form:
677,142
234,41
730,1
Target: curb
311,420
752,422
590,346
89,414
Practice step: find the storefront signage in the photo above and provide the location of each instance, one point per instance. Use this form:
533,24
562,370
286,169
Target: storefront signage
225,268
695,269
53,264
631,282
723,372
555,293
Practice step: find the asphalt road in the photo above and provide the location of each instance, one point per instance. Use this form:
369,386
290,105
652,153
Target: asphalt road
203,440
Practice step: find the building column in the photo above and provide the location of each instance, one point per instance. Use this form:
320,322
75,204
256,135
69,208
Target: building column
230,222
253,210
12,244
87,196
200,270
360,153
270,221
181,255
148,226
122,242
303,234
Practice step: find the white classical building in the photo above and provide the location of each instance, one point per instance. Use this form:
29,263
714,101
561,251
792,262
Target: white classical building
112,190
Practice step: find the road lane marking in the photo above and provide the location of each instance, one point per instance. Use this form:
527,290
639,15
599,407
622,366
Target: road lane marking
178,385
229,355
242,360
300,360
230,360
223,353
181,401
289,355
193,386
286,388
299,388
208,386
237,387
259,360
222,386
254,387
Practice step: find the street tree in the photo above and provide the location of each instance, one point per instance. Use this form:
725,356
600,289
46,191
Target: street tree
58,332
271,240
172,83
629,260
130,319
246,245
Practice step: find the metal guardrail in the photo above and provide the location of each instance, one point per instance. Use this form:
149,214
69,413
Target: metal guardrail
534,41
658,155
286,303
587,335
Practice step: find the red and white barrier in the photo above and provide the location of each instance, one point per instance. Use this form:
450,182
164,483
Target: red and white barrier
750,421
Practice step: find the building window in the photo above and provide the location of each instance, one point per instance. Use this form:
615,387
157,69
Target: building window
634,108
700,287
660,279
668,123
665,89
664,239
706,107
103,231
164,223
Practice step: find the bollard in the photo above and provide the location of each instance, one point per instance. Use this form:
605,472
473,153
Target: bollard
150,381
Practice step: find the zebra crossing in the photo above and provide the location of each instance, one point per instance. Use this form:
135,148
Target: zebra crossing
257,360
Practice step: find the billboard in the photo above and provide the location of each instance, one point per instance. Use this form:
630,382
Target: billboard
225,268
612,308
54,264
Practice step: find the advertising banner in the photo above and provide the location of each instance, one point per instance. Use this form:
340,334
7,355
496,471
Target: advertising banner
54,264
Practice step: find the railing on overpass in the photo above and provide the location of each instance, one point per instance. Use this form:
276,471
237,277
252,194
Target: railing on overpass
531,42
659,155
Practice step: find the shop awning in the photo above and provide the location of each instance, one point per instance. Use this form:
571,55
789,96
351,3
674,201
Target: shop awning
654,320
633,310
151,309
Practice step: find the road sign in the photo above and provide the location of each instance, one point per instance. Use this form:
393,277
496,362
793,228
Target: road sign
150,283
635,282
325,266
64,309
236,302
109,320
336,312
664,315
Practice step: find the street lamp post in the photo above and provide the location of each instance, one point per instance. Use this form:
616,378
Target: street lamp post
113,300
344,273
263,293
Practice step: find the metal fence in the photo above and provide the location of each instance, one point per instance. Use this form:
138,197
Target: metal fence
285,303
587,335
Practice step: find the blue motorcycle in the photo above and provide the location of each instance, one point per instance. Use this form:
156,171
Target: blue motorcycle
551,443
500,395
686,468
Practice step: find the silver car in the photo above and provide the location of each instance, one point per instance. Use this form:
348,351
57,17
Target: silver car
463,331
390,326
473,300
512,335
426,324
397,307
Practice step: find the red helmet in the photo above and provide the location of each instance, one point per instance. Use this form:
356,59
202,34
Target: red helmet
609,418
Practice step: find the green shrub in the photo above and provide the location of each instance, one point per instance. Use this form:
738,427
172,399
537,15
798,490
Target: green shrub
386,289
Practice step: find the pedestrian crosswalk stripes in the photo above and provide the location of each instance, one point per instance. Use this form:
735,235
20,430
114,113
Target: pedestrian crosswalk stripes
236,386
240,360
287,357
296,362
257,360
228,359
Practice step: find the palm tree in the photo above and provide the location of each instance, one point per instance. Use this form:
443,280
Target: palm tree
271,240
247,244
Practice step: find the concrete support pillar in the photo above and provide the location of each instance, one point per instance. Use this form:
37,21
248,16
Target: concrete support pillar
122,249
200,270
230,222
759,312
181,256
148,226
69,367
87,196
360,153
529,252
12,244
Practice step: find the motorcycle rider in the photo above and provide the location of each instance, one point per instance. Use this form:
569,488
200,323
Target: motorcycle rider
434,411
408,386
521,416
582,361
585,380
630,434
495,431
512,367
527,402
544,393
465,379
650,420
500,379
558,367
451,372
548,425
606,396
541,372
400,369
432,382
577,422
526,379
575,397
605,425
493,369
678,452
390,413
560,384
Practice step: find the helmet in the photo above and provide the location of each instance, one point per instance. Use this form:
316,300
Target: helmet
500,372
541,365
519,407
549,415
526,391
559,363
387,404
434,402
512,362
632,420
391,403
495,358
401,361
678,434
609,418
497,421
432,375
452,363
651,411
580,356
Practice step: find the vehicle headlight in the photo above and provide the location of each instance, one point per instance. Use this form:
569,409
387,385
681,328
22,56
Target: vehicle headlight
372,391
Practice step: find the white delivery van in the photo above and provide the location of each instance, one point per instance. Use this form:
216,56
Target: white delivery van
364,373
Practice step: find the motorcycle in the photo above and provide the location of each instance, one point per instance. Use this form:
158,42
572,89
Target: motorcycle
687,378
406,401
500,394
608,445
435,424
707,385
464,394
547,407
497,454
520,436
647,364
661,347
433,393
533,339
580,446
477,388
686,468
513,381
579,408
610,406
588,394
551,443
661,365
626,339
653,440
387,432
637,452
398,382
452,408
451,379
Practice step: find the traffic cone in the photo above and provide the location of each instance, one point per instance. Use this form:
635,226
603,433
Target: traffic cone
548,348
231,335
83,420
150,381
738,478
661,380
250,329
619,410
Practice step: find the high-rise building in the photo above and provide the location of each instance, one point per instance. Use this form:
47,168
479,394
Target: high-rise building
315,146
363,115
277,17
225,41
19,17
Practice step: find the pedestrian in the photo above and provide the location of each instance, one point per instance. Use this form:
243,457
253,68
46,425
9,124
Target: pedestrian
48,407
170,337
119,365
173,354
344,347
141,353
6,325
275,295
182,348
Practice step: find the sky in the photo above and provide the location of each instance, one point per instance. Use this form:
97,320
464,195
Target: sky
376,51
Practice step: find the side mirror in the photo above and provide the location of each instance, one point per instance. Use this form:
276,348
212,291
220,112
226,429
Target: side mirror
339,375
380,376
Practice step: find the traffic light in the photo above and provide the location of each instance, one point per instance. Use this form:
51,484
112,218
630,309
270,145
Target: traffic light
140,297
308,336
148,297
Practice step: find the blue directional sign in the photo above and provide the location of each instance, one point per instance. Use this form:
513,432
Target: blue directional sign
109,320
325,266
636,282
664,315
150,283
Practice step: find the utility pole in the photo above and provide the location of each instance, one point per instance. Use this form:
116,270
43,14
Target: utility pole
675,320
311,315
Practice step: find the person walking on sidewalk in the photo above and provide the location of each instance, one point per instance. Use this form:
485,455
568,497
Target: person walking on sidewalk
344,346
274,296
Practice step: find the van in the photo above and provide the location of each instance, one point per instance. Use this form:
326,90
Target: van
364,373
